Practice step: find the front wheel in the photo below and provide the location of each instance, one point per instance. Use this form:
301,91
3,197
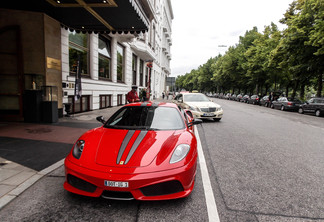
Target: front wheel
300,110
318,113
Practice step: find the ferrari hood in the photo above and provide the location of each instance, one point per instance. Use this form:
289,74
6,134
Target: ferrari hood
132,148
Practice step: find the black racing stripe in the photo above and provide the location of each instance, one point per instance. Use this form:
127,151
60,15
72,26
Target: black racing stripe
126,140
137,142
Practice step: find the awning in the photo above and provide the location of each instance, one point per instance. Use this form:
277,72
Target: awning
117,16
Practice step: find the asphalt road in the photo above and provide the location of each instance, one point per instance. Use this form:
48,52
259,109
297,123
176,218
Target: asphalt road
263,164
266,165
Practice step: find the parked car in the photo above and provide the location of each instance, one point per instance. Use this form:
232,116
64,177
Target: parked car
200,106
264,101
254,99
286,103
275,95
118,159
227,96
314,105
239,97
233,97
245,98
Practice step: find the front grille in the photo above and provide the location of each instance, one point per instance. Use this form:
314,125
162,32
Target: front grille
208,109
80,184
116,195
164,188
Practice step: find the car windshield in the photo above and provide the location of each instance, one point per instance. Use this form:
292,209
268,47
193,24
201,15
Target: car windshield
147,118
195,98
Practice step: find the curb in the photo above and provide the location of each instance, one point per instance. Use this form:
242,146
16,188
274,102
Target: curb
6,199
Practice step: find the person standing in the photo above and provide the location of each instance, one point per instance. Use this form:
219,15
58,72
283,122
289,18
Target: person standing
143,95
270,99
132,95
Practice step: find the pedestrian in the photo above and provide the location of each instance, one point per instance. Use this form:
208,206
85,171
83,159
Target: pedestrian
162,95
143,94
132,95
270,98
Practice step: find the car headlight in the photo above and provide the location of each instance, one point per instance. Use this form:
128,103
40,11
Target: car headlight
78,148
179,153
193,108
219,109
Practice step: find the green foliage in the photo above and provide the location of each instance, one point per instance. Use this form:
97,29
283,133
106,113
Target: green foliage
290,60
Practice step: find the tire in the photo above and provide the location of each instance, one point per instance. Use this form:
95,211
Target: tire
318,113
282,108
300,110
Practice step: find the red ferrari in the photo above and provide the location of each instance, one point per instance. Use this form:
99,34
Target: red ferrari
145,151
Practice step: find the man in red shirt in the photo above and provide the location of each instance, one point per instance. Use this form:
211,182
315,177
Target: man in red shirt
132,95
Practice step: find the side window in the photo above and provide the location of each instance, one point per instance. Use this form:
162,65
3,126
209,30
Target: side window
104,58
78,53
120,63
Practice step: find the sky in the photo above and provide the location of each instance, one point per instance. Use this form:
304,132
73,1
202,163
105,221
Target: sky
200,28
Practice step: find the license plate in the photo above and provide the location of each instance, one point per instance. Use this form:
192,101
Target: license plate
115,184
208,114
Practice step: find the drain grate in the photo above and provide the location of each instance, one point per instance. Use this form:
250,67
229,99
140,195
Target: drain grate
38,130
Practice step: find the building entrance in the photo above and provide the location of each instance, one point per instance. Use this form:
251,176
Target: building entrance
11,74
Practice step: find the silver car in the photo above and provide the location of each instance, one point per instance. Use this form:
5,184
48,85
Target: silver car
200,105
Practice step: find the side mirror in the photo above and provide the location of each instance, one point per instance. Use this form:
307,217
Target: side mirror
195,122
101,119
189,113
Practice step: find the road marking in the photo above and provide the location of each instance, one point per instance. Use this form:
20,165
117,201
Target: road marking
209,195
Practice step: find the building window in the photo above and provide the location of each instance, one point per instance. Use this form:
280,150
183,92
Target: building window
105,101
104,58
119,99
146,76
81,105
134,69
141,71
78,51
120,63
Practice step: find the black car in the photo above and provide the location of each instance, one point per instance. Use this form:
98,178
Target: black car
264,101
286,103
314,105
245,99
254,99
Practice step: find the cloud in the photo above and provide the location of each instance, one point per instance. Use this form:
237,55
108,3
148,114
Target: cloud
199,27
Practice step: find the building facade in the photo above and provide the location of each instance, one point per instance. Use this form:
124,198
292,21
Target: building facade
52,56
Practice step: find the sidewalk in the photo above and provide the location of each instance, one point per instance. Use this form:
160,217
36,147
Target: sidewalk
29,151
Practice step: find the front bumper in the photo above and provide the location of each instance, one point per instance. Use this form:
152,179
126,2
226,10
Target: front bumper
208,115
161,185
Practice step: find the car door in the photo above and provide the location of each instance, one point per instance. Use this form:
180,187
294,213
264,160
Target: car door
284,102
310,106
